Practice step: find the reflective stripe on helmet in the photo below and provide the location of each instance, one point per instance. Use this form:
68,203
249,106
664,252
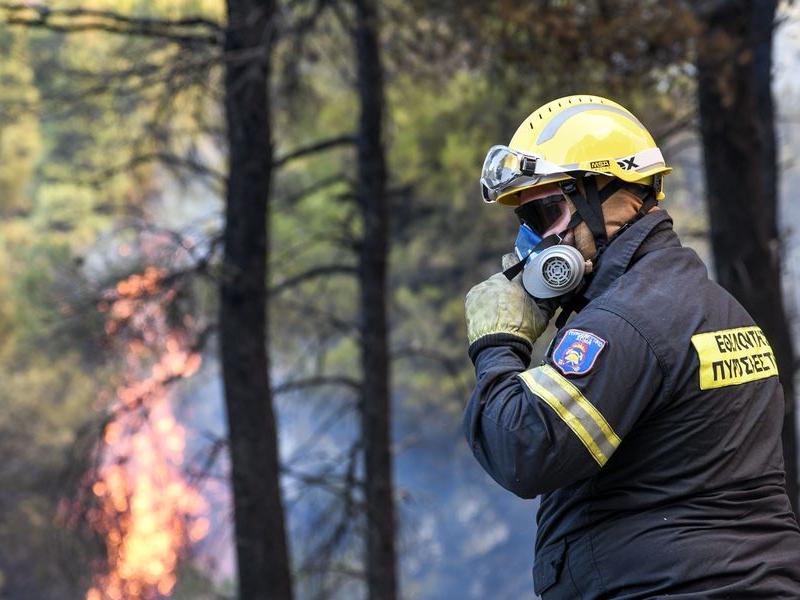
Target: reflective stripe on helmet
552,127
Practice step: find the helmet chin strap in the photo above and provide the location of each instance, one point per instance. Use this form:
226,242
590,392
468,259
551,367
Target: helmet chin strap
589,208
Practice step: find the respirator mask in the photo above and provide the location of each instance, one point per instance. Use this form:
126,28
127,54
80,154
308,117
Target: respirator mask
549,267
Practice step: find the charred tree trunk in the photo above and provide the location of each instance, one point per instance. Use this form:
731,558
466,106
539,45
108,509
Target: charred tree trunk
734,62
261,547
373,253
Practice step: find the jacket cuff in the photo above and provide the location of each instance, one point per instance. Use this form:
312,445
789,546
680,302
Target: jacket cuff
521,347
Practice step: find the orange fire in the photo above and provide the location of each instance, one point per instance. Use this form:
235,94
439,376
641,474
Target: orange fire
145,508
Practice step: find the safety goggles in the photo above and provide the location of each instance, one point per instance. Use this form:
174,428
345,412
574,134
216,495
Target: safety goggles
545,216
506,169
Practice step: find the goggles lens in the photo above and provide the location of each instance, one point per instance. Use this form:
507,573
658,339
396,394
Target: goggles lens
545,215
500,168
505,169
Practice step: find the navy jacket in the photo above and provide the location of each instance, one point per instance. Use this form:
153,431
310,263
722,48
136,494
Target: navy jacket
652,432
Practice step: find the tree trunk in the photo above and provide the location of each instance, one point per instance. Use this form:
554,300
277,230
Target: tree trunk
373,252
261,547
734,62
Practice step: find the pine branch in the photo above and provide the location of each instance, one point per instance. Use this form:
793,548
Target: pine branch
343,140
311,273
316,381
298,195
190,30
165,158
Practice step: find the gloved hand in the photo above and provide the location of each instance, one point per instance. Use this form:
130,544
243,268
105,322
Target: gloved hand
500,306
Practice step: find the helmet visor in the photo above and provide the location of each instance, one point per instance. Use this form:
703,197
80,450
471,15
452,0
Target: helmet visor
545,216
506,169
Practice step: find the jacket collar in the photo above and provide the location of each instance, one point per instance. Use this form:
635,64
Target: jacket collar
629,247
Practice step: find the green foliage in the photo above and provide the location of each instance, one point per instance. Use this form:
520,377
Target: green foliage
19,128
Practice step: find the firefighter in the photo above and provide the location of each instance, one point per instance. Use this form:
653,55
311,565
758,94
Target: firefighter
651,429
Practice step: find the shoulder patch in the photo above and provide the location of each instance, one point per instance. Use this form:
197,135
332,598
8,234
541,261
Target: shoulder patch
577,352
733,357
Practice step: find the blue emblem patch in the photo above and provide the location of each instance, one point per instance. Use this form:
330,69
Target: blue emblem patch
577,352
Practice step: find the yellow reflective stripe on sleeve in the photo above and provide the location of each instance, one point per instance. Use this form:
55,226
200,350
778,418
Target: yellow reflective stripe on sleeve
575,410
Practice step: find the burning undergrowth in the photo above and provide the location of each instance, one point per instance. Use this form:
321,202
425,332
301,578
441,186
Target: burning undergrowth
138,498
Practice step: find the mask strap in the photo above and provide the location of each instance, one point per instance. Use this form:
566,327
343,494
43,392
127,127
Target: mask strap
590,210
514,270
590,207
570,304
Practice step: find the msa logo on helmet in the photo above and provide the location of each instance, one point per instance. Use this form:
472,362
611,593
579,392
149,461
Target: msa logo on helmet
577,352
599,164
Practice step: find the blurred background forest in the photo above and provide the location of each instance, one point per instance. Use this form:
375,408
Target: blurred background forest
235,241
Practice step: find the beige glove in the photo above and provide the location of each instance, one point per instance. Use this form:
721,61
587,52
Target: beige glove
498,305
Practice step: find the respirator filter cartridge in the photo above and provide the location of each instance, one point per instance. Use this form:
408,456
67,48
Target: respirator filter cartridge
553,272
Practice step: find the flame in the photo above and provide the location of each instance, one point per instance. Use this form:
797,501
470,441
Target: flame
145,508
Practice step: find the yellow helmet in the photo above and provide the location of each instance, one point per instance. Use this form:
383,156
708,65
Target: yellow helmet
574,134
